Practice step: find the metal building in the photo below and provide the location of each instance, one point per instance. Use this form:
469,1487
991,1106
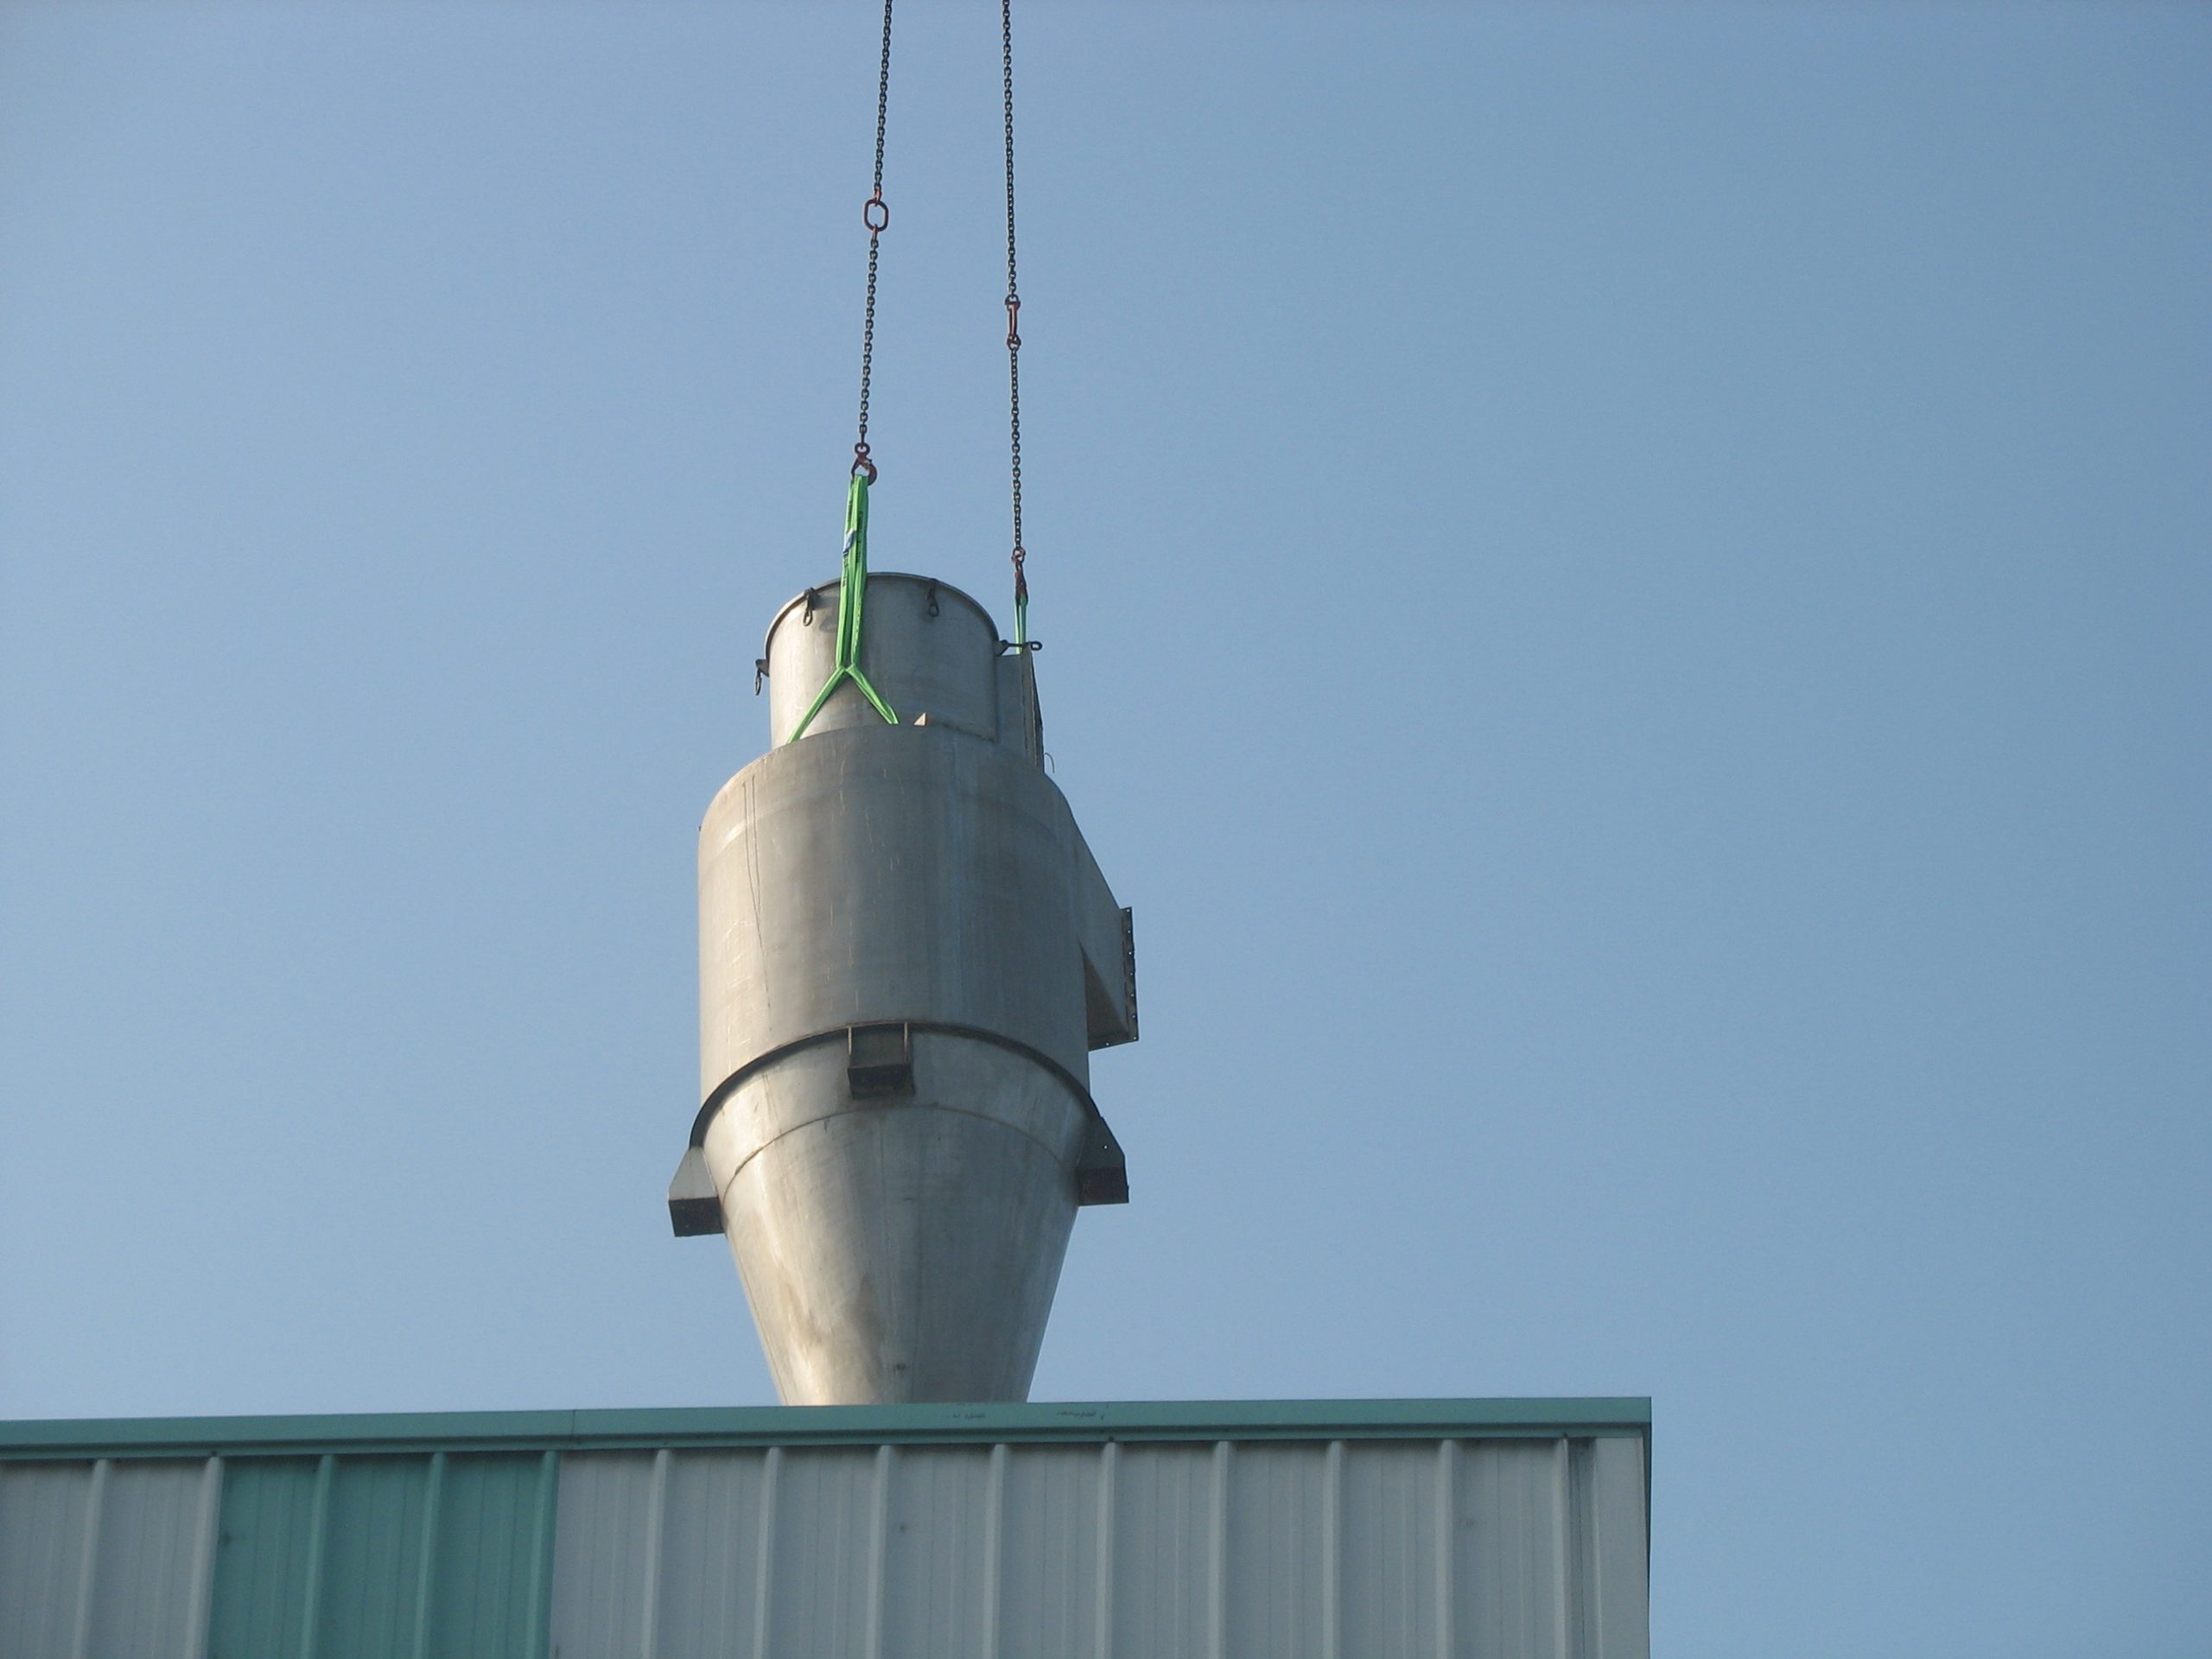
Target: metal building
1375,1529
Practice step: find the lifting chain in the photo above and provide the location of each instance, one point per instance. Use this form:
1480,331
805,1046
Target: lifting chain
1021,554
876,215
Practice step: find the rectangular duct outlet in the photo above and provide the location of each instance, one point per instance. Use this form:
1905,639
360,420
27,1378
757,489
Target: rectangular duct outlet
693,1207
1101,1174
880,1060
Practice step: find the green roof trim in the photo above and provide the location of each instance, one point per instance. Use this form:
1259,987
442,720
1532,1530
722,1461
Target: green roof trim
743,1426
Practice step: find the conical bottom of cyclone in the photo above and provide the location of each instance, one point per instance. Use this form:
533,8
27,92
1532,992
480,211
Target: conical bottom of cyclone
905,1250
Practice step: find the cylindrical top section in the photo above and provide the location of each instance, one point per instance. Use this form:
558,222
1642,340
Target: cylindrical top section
925,646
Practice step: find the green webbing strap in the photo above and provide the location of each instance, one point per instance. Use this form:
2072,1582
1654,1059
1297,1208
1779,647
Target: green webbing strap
852,587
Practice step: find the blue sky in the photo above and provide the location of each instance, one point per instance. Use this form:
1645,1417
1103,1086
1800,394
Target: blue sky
1625,594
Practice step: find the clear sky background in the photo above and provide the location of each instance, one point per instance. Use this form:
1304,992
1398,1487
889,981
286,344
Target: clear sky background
1626,594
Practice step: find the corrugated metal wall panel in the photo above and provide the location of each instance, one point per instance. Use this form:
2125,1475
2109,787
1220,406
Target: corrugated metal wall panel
101,1558
366,1557
827,1535
1050,1567
156,1558
710,1550
1391,1589
941,1534
1506,1541
1281,1537
1446,1549
601,1564
494,1559
261,1566
1160,1581
371,1589
1617,1581
43,1509
1392,1529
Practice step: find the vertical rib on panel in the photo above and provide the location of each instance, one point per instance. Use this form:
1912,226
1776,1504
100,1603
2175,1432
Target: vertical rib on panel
1048,1561
656,1528
933,1582
1163,1542
1332,1551
1109,1526
207,1534
771,1470
1579,1577
1278,1569
879,1524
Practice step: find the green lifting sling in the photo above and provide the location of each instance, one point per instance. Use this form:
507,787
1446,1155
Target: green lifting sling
852,587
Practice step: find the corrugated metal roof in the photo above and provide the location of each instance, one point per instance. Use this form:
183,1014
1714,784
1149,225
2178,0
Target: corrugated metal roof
1329,1529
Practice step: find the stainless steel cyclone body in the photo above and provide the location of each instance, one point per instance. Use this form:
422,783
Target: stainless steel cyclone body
906,955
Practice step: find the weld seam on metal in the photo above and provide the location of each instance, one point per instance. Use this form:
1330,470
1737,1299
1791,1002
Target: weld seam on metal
949,1111
719,1097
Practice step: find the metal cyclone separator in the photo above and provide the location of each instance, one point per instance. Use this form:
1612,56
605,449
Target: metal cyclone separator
906,954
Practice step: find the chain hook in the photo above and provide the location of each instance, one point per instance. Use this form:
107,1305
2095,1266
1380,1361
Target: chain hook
862,467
